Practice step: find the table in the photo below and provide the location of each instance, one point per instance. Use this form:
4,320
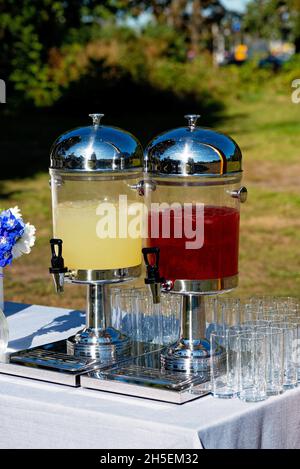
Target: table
35,414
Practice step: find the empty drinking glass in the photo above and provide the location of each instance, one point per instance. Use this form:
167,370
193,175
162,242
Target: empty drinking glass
3,335
253,384
295,319
134,313
290,353
224,364
222,313
251,312
171,311
257,323
274,359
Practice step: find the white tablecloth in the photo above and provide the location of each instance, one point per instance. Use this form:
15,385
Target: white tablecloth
41,415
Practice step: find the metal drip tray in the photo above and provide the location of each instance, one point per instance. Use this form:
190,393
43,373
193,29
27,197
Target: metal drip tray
147,376
139,375
143,377
49,362
51,359
55,362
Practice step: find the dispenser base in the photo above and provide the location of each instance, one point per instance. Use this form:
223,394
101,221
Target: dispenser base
187,356
109,344
143,377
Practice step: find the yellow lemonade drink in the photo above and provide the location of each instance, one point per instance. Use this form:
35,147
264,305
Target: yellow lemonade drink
82,228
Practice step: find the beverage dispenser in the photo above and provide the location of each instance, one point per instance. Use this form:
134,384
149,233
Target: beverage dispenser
188,188
95,171
193,188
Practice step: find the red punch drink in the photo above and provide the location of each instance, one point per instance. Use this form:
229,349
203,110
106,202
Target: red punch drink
218,256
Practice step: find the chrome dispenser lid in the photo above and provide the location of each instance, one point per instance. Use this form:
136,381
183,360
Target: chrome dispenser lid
96,148
193,151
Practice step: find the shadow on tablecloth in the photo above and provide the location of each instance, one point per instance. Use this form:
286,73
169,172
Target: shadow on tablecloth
59,325
13,308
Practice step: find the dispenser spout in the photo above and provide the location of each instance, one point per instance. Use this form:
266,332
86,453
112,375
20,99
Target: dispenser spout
57,268
153,279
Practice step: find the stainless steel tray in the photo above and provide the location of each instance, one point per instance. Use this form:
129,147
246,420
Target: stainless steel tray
48,363
139,375
51,362
143,377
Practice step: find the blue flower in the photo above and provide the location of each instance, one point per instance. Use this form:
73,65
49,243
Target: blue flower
5,243
5,251
11,230
10,223
5,258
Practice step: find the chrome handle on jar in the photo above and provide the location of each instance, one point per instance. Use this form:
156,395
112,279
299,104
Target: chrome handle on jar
241,194
142,186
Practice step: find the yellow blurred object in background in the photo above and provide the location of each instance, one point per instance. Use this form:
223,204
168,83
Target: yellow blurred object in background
241,52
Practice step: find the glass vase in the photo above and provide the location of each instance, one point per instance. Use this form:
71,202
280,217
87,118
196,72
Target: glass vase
3,320
1,290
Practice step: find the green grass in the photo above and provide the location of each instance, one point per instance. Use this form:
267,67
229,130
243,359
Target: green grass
267,128
268,131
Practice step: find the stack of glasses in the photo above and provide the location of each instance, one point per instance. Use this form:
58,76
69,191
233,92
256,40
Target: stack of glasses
134,313
254,346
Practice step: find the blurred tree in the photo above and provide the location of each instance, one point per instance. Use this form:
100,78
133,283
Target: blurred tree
177,14
274,19
41,40
30,30
192,18
262,18
295,9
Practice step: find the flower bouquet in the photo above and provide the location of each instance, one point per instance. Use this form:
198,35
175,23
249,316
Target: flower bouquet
16,238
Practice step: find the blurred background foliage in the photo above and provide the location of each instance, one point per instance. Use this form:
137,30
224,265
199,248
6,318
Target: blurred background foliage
47,46
145,64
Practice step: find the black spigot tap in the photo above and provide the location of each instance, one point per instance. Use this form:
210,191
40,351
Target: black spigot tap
153,279
57,268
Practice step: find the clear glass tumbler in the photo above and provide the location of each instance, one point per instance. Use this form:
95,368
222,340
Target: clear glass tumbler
147,320
222,313
253,369
229,311
224,364
290,353
171,306
133,312
3,335
274,359
295,319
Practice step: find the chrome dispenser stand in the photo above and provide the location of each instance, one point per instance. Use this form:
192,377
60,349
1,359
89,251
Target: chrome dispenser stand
191,352
98,339
159,374
177,377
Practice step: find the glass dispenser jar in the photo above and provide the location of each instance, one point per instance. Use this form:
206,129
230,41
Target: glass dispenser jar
95,172
194,194
89,211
